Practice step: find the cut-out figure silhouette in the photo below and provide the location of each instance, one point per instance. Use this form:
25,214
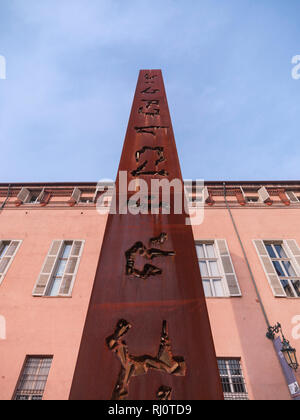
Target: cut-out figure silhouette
139,365
149,270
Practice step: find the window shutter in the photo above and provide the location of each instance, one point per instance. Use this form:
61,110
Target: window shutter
292,197
23,195
12,249
231,278
41,196
4,264
76,195
8,258
294,251
269,269
47,270
71,269
96,194
264,195
205,194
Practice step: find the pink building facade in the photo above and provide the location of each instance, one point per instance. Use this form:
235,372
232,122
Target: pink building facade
248,249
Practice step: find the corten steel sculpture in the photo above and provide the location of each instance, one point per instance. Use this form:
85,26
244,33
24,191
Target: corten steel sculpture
127,287
139,365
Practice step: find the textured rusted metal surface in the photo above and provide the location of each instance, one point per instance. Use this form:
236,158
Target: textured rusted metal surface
129,292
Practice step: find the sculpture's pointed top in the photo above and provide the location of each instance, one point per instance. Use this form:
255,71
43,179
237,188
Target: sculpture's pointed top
150,135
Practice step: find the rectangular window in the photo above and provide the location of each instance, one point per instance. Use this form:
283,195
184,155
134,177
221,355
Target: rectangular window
217,272
252,199
58,274
27,196
8,250
210,273
86,200
59,270
34,197
232,379
32,382
284,268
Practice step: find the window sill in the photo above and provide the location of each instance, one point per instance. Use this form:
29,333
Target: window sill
222,297
52,297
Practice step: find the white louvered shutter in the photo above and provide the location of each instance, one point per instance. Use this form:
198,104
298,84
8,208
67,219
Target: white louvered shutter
294,251
96,194
263,194
1,242
76,195
230,275
23,195
292,197
205,194
41,196
71,269
0,262
8,257
48,268
269,269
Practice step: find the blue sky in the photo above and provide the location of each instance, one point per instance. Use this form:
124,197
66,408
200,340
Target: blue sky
72,68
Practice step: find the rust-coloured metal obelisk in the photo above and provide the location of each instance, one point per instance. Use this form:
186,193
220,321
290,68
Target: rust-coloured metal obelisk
147,334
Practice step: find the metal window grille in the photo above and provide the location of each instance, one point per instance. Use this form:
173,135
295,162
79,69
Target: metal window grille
33,379
232,379
284,269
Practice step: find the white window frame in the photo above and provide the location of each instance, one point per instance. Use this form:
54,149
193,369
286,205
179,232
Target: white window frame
220,268
63,242
53,275
289,259
76,195
55,267
234,395
2,275
30,193
38,198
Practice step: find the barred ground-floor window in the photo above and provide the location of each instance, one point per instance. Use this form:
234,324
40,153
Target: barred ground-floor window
32,382
232,379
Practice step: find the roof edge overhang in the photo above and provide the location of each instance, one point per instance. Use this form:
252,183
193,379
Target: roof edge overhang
89,184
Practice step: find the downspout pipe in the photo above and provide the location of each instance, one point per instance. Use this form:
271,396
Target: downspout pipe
246,259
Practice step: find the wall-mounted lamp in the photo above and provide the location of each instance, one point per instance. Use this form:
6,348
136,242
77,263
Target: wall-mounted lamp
288,351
